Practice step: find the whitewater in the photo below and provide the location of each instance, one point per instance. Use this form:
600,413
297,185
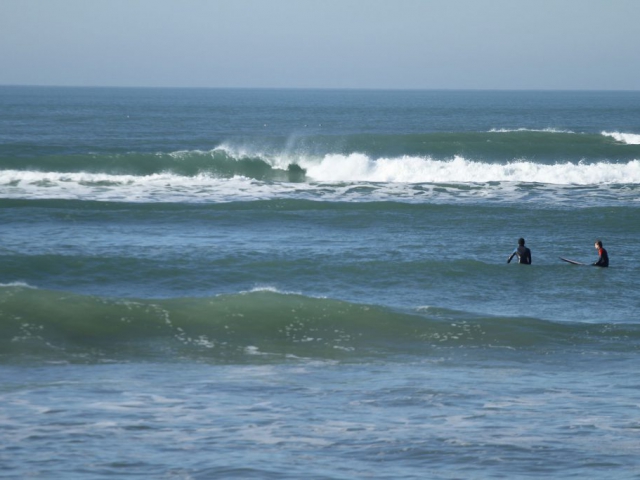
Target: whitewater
328,178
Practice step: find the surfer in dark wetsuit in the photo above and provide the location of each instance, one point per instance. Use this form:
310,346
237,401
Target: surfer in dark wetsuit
603,256
523,253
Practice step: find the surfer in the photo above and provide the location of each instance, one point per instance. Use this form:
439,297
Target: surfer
523,253
603,256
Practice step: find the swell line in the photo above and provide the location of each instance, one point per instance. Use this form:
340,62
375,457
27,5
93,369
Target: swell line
266,325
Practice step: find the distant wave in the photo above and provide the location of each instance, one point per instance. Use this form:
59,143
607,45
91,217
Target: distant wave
628,138
230,173
263,326
352,177
16,284
197,168
271,158
542,130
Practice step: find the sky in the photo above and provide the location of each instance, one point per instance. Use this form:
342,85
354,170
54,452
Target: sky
369,44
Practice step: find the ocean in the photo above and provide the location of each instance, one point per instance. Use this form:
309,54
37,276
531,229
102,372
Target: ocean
269,284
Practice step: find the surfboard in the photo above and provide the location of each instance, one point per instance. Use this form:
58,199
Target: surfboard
572,262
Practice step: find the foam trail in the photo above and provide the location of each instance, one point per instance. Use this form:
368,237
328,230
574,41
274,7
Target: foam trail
131,188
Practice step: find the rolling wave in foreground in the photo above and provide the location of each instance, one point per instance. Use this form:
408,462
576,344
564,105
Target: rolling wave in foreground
265,326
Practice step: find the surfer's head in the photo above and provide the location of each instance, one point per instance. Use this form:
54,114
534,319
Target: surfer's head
598,244
521,241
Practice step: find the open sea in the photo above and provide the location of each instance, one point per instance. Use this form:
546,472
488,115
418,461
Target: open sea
288,284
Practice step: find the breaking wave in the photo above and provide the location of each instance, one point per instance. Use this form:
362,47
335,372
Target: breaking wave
627,138
230,178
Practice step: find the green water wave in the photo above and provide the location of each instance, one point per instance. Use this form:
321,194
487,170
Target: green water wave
267,326
188,164
541,146
280,158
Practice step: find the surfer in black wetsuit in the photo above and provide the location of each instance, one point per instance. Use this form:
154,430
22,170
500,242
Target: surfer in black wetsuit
523,253
603,256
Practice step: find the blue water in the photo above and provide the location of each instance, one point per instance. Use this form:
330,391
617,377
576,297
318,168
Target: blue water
307,283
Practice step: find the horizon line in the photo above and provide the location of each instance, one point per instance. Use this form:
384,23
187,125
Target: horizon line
416,89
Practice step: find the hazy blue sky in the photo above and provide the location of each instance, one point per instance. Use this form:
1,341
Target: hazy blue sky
477,44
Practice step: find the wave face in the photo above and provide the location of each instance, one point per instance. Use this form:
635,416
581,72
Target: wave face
225,174
354,167
266,326
259,157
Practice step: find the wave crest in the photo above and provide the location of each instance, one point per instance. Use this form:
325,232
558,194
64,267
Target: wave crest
627,138
231,174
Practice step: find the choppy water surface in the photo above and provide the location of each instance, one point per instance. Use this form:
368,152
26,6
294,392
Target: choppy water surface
277,284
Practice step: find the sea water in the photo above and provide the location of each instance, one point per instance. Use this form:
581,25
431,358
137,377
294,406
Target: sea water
313,284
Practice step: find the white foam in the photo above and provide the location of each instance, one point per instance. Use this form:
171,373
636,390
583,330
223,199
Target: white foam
331,177
161,187
269,289
361,168
543,130
17,284
628,138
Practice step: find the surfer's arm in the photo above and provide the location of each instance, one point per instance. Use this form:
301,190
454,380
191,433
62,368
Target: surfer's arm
599,262
511,256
